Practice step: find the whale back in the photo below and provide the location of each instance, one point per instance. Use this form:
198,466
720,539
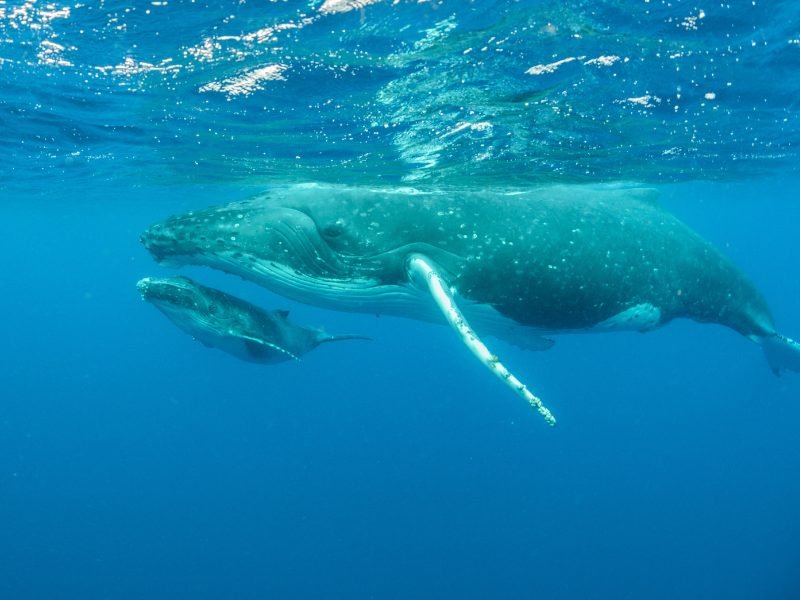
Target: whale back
560,259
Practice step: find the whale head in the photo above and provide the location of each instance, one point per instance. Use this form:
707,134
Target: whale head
177,291
321,245
180,298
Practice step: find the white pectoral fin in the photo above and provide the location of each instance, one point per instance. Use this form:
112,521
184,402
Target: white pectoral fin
783,353
421,267
258,348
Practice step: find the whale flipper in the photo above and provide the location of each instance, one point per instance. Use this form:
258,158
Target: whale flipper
261,348
783,353
421,267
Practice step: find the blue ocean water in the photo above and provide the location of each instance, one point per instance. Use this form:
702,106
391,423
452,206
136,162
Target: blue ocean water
136,463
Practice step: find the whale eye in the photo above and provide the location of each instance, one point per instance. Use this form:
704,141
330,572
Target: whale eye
333,230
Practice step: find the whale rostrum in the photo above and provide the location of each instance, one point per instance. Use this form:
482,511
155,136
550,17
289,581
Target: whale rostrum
519,265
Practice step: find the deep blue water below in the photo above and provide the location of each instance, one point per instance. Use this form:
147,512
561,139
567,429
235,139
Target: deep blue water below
136,463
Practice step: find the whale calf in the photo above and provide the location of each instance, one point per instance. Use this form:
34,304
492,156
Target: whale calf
222,321
519,265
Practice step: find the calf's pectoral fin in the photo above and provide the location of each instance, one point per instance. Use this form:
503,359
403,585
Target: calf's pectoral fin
261,348
422,268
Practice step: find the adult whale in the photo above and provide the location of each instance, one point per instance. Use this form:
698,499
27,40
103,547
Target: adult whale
514,264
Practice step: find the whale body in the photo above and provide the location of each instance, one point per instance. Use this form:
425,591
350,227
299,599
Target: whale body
514,264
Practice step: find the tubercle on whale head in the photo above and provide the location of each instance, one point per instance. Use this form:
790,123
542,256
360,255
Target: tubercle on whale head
167,241
189,234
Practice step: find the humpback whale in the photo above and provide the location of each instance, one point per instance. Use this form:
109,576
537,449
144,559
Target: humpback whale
519,265
240,328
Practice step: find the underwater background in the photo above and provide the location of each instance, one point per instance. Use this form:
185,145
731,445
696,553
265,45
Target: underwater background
134,462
